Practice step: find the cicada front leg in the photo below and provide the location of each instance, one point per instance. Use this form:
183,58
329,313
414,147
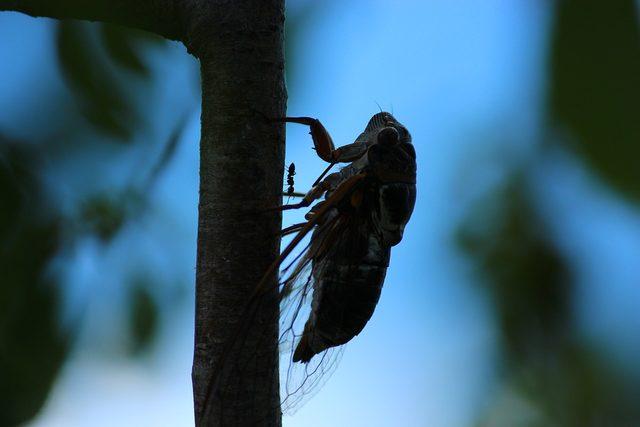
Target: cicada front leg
321,139
323,143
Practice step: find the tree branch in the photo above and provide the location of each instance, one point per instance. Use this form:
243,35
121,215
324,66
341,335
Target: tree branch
240,47
163,17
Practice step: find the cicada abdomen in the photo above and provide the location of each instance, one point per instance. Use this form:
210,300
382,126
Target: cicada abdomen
345,294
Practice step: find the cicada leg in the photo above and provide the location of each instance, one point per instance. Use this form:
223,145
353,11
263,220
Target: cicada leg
330,183
302,204
321,139
323,143
343,190
313,194
293,194
292,229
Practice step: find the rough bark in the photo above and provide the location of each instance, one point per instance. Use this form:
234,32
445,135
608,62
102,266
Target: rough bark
242,159
240,47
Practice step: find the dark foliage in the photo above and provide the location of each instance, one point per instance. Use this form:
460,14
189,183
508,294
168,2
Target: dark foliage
104,67
524,272
545,362
32,347
143,317
595,86
98,61
594,96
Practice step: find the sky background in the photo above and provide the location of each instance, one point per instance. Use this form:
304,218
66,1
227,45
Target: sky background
468,79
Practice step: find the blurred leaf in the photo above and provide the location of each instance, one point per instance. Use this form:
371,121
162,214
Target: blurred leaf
96,63
525,275
32,348
16,184
582,389
575,387
549,377
121,44
168,153
105,214
103,101
143,317
595,86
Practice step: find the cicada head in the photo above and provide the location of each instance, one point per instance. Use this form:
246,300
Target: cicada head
391,156
377,125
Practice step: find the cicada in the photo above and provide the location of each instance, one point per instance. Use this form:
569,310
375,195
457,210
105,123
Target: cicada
330,289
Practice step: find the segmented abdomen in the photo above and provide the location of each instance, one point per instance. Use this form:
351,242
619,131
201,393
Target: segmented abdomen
346,291
346,301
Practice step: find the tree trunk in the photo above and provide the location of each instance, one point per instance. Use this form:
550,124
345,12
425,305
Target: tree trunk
241,164
240,47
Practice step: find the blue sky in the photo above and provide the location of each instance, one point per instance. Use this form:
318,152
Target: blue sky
468,80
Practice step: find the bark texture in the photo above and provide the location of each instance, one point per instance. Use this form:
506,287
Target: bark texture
164,17
240,47
242,159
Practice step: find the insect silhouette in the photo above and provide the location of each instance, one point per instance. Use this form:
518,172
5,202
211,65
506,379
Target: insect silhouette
291,172
341,270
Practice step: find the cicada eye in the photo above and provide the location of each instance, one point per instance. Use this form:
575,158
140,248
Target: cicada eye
405,136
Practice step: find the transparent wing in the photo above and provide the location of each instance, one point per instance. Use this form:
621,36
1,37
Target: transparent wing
299,381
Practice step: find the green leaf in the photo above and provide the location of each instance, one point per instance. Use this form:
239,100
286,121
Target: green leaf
550,375
122,45
103,215
143,317
32,347
524,274
104,103
595,86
